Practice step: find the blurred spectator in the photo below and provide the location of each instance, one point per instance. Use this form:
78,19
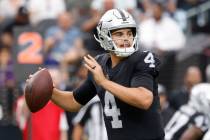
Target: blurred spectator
179,15
161,33
9,8
181,96
198,15
7,28
45,9
7,79
49,123
59,39
74,54
165,109
9,129
104,5
20,19
8,96
128,5
6,40
145,7
89,123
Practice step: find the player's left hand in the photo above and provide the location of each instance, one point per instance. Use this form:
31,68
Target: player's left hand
92,65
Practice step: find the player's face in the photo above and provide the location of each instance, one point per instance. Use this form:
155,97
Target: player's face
123,38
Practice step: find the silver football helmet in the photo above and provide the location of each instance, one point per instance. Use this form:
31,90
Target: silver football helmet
200,98
112,20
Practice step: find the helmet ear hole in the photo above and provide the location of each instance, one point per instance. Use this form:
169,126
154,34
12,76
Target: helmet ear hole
133,31
109,34
101,38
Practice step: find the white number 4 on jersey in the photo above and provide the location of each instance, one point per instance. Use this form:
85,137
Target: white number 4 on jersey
149,59
111,110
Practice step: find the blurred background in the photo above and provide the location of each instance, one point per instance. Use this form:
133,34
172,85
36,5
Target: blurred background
56,34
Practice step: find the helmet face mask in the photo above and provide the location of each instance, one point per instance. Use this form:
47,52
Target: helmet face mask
114,20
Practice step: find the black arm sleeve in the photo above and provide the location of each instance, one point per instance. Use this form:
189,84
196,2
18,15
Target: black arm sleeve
143,80
144,74
85,92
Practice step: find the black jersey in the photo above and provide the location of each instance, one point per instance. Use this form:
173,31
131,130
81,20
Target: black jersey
91,118
123,121
182,119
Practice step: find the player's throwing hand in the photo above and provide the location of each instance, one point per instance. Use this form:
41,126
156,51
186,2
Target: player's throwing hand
92,65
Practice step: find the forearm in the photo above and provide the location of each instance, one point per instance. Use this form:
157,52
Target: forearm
77,133
138,97
64,135
65,100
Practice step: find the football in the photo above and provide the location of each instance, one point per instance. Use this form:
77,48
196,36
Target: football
38,90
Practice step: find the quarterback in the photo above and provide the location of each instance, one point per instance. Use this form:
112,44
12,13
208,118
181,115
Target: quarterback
124,79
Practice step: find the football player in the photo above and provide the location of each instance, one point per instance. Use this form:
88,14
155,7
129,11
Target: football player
124,79
191,121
